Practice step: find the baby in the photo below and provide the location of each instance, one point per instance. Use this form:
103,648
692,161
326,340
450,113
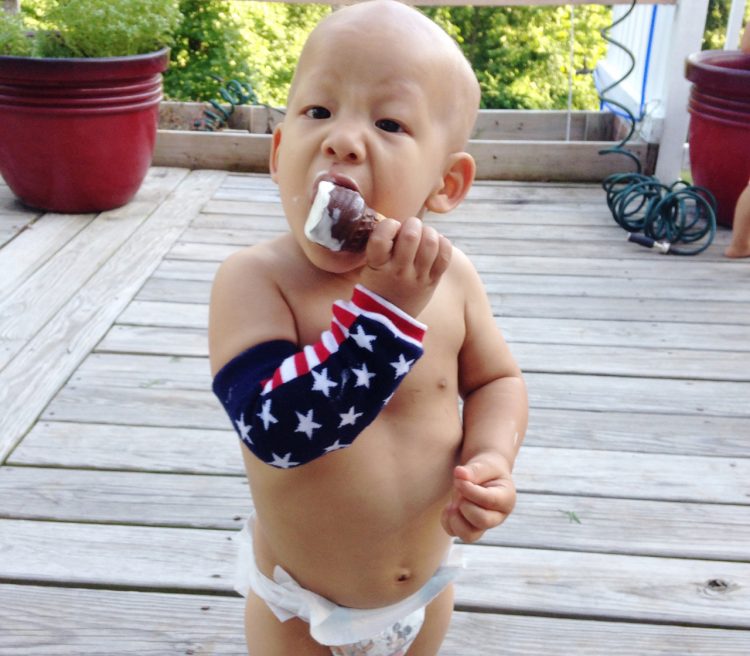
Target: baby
341,370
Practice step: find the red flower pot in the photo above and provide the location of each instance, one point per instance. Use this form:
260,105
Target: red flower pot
78,135
720,125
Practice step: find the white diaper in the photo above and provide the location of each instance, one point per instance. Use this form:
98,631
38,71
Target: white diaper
331,624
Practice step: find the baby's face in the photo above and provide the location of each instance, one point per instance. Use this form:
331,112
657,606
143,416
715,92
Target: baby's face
362,113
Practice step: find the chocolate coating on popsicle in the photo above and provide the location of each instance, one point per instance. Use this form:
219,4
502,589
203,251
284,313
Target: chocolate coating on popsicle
353,221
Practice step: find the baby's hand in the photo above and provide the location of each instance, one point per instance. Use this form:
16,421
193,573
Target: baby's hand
405,261
483,497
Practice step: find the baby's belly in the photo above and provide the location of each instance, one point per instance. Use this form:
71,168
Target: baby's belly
360,526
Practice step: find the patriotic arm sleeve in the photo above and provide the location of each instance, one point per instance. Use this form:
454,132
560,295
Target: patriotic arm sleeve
291,406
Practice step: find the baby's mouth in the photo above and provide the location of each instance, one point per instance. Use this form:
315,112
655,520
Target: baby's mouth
337,179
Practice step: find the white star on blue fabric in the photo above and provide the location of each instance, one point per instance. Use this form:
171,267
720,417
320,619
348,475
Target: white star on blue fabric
335,446
402,366
363,376
349,418
306,424
322,382
284,462
265,415
244,428
363,339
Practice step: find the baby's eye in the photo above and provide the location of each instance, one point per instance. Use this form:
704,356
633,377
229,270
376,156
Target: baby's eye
389,125
318,113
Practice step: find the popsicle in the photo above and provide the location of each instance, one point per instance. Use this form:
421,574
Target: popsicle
339,219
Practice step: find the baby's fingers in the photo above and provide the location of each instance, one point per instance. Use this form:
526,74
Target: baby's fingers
442,259
462,523
427,251
480,519
497,495
408,244
381,242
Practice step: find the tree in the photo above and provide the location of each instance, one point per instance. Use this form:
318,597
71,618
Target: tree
209,48
275,33
521,54
716,23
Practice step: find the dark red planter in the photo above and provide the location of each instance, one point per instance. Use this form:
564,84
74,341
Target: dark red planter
78,135
720,125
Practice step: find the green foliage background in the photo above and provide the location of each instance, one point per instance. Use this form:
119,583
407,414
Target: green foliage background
716,23
256,42
95,28
521,54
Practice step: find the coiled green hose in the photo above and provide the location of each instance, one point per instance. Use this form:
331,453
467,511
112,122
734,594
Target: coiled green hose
666,215
234,93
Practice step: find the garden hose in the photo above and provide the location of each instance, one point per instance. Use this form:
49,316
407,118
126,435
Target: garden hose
666,215
234,93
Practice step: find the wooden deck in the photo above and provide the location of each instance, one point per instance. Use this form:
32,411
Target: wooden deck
121,485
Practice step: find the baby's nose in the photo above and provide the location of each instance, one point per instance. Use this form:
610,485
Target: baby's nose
345,144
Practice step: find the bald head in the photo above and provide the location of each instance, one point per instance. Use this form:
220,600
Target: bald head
392,35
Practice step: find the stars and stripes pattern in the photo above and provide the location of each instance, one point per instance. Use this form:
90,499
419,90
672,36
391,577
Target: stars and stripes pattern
290,406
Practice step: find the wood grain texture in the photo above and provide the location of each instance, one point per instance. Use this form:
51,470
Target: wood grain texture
122,494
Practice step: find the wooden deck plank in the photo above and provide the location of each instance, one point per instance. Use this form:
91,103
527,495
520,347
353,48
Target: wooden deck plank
198,449
554,391
561,583
542,521
576,306
14,217
645,432
33,246
670,362
25,388
166,314
636,395
474,239
38,298
551,330
610,289
122,623
135,448
44,621
615,250
541,469
647,268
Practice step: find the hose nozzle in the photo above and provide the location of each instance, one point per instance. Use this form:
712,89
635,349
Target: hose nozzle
661,246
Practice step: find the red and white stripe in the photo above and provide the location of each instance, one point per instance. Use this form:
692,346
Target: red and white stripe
365,303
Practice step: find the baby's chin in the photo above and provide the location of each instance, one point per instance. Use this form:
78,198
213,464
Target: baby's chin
334,262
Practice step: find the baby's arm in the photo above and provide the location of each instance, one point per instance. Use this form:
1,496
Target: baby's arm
495,417
291,406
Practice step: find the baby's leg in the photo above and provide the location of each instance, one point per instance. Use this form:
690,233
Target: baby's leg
740,246
266,636
436,621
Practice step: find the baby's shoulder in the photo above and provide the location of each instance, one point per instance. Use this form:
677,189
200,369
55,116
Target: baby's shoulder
462,274
262,264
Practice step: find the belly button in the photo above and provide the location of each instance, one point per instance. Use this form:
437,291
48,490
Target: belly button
443,383
403,576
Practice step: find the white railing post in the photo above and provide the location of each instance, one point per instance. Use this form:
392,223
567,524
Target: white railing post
686,38
734,24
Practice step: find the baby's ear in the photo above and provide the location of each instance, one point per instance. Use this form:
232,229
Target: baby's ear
457,180
273,159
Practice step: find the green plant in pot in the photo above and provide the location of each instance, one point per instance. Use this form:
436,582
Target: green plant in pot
80,86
